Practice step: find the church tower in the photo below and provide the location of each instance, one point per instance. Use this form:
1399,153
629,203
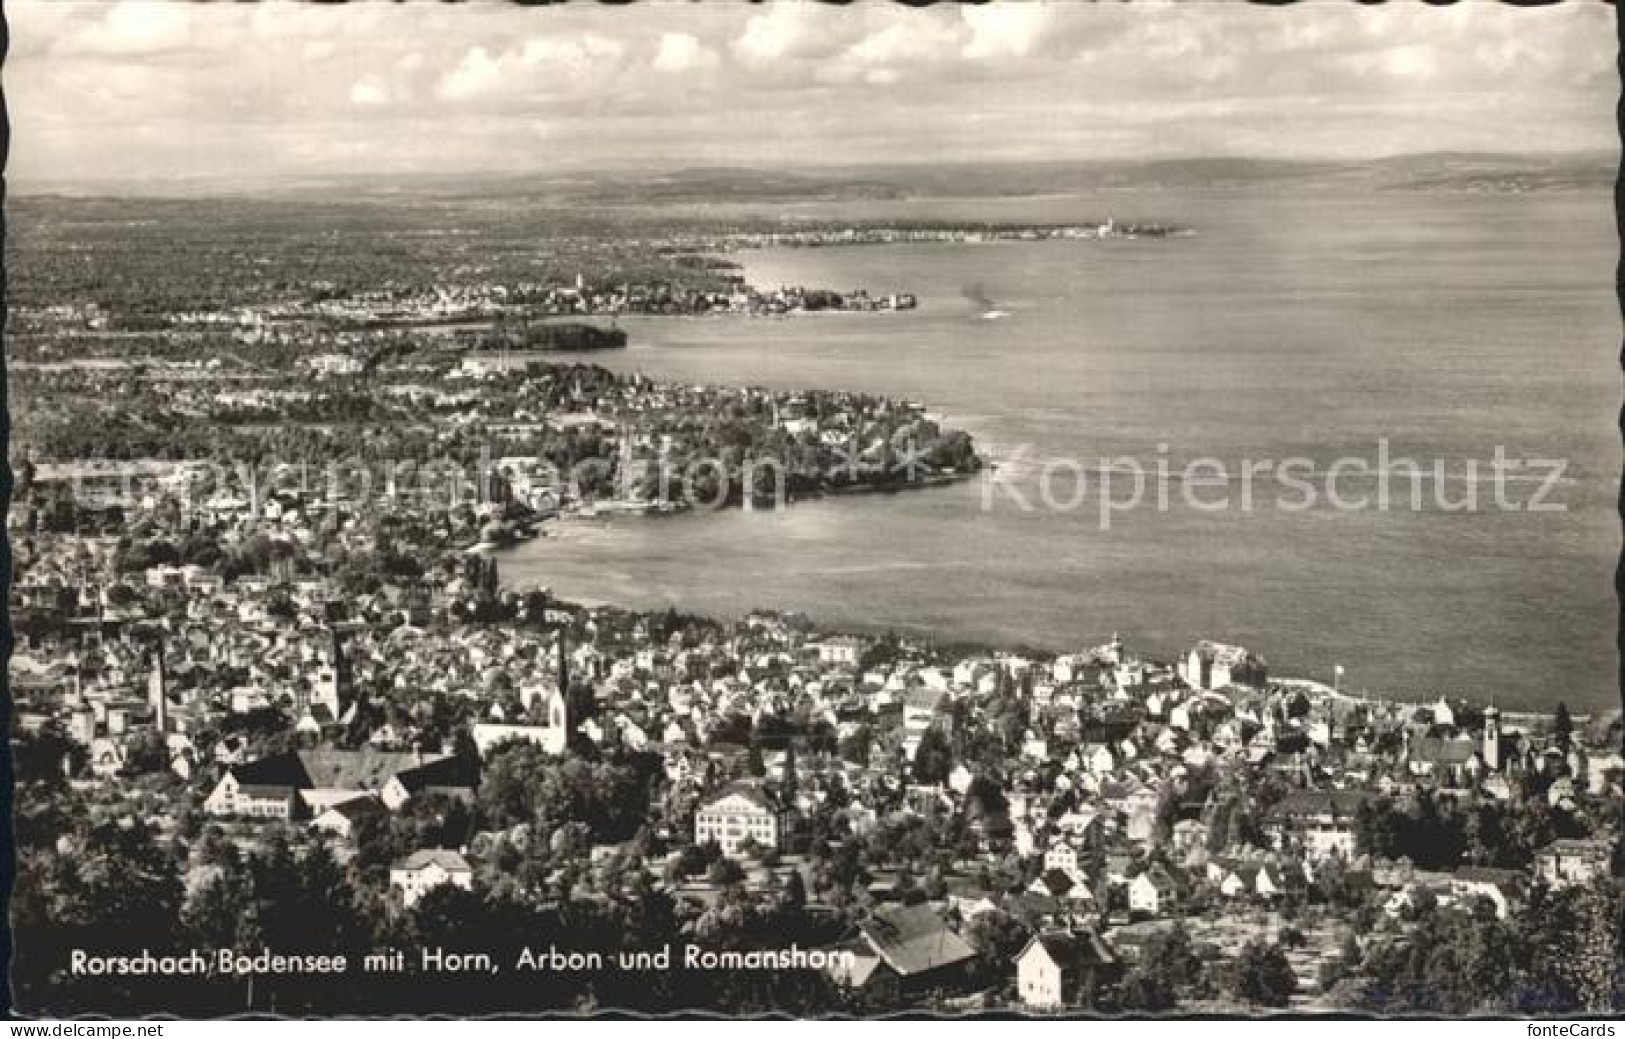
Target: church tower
332,685
558,712
564,661
559,715
1492,738
158,693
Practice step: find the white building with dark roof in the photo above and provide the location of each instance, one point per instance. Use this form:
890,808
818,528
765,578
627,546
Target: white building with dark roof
1214,665
1060,969
738,813
423,871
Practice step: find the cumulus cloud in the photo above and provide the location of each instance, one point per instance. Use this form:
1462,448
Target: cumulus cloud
368,92
476,74
681,52
783,30
1009,30
570,55
907,43
893,52
138,27
542,66
1414,62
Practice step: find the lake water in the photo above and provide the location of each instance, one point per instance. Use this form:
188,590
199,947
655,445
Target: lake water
1313,325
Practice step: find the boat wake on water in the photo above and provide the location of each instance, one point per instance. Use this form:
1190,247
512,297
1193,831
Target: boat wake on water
987,309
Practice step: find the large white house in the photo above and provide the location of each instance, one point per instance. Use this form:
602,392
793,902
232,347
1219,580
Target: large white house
1058,969
839,651
1153,892
1214,665
1321,821
423,871
1571,861
735,814
924,708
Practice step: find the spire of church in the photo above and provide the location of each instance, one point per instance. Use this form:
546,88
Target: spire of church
341,661
558,712
333,684
1492,737
158,693
564,661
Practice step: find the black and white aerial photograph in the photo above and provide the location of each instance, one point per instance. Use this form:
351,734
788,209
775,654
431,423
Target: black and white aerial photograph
1018,510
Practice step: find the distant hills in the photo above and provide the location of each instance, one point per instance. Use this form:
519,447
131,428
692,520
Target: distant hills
1440,171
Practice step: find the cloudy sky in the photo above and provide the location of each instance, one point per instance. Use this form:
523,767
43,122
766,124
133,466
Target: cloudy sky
162,90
